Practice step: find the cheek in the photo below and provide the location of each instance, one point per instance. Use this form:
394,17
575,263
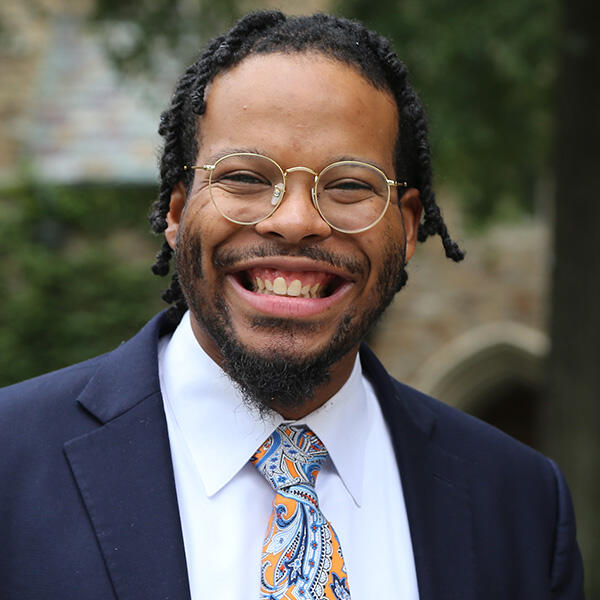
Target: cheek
385,253
375,246
200,235
189,255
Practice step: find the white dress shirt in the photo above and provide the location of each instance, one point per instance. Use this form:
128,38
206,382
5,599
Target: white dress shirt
225,503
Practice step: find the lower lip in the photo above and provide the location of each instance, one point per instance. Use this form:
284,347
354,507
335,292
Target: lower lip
288,306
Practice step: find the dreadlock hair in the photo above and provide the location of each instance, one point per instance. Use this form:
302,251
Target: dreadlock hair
267,32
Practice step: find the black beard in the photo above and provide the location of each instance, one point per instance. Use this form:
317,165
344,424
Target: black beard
274,380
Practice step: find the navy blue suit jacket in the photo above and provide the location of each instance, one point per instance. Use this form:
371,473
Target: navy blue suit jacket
89,509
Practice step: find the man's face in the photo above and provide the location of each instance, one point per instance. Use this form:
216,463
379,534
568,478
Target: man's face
299,110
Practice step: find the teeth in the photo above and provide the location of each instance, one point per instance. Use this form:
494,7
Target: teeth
279,286
294,288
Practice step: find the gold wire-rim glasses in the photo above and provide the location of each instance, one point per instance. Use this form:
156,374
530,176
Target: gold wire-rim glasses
280,192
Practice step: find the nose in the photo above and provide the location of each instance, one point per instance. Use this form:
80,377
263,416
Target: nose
296,218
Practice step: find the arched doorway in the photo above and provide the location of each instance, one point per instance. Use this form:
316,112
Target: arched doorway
494,372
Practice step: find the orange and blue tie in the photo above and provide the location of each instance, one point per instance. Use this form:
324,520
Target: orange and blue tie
302,557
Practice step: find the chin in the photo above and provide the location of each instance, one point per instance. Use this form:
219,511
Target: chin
270,336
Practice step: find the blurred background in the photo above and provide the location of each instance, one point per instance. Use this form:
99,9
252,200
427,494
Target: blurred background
511,335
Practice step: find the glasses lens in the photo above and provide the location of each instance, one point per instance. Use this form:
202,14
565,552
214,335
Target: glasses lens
352,196
246,188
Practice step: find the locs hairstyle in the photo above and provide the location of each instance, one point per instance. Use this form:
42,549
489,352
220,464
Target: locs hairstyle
268,32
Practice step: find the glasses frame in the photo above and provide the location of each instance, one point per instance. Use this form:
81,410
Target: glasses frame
313,192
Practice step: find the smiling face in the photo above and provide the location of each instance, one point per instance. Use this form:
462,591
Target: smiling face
291,290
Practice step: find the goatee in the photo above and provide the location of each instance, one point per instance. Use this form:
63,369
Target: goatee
273,379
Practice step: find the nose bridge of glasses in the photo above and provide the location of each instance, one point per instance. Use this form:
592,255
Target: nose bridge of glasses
302,170
296,169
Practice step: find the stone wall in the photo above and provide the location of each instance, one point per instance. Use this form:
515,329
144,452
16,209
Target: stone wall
450,313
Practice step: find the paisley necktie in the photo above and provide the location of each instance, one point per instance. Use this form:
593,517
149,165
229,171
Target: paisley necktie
301,555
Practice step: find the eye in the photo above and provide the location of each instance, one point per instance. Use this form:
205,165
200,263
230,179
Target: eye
242,178
349,185
346,190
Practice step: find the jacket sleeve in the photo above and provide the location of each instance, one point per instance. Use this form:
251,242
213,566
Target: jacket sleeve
567,565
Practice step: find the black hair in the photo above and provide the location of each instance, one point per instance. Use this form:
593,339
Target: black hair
271,31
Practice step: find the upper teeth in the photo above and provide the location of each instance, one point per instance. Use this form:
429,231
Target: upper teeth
281,288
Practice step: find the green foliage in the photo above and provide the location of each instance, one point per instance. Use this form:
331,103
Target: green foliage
486,71
138,35
76,276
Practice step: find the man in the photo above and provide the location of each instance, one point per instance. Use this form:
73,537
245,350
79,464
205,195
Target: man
293,177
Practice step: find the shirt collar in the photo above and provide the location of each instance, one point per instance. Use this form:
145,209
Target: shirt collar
222,432
342,424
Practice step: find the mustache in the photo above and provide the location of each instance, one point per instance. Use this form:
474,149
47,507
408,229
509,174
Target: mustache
224,258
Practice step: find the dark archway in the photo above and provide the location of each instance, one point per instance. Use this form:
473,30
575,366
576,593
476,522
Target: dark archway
494,372
512,406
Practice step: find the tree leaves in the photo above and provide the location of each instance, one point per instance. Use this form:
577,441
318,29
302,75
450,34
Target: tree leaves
486,72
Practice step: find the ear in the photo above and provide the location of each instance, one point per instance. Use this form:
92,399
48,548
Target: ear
411,208
178,196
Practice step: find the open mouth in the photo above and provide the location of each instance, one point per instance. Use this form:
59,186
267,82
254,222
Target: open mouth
304,284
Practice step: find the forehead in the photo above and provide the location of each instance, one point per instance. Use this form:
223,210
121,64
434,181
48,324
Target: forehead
302,104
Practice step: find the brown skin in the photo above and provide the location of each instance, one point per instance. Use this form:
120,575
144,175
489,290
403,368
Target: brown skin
299,109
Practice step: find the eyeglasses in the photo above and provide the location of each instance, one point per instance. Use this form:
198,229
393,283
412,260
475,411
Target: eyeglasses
247,188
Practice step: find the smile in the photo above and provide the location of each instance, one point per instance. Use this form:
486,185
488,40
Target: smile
291,289
294,284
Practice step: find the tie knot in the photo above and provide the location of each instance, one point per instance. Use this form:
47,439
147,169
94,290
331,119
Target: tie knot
292,455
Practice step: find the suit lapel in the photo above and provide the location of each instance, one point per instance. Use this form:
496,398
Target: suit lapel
436,491
124,473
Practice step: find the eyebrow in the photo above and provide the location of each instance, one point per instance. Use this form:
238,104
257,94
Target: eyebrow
359,159
211,160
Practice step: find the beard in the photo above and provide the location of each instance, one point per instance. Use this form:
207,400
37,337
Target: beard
274,379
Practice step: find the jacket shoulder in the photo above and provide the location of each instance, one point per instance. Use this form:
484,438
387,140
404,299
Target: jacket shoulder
516,493
47,388
481,446
133,361
465,435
